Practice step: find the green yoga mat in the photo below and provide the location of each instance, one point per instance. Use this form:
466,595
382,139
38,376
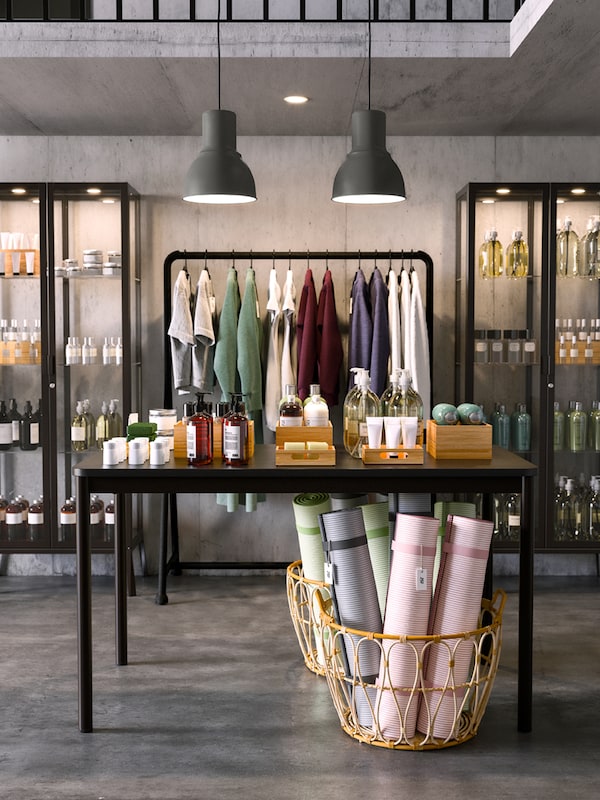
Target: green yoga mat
307,508
441,510
377,526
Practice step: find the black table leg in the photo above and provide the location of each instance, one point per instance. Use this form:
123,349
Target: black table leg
120,580
84,607
161,598
526,550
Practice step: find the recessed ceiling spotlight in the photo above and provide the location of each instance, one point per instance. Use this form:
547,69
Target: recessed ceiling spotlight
560,200
94,190
503,190
36,200
108,200
488,201
578,190
296,99
19,190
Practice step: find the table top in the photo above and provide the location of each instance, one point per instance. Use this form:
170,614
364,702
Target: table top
501,473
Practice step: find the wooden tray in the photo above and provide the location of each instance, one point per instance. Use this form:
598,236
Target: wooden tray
394,456
303,433
447,442
304,458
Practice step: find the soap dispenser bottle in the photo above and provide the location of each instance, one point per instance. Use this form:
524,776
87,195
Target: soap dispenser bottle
363,403
235,434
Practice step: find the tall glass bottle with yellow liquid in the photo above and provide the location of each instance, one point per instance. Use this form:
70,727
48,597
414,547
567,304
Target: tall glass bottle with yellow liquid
517,257
359,404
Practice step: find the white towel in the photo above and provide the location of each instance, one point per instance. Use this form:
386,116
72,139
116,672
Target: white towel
181,333
418,342
204,333
405,317
394,322
288,356
273,370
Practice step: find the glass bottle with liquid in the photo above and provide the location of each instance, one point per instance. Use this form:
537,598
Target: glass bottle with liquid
389,392
15,419
589,266
558,429
495,256
520,429
316,410
199,439
78,429
109,521
291,413
29,429
3,507
513,516
68,521
567,251
102,426
594,511
6,428
90,425
96,519
235,434
35,520
517,257
578,428
116,421
359,405
500,422
16,526
594,426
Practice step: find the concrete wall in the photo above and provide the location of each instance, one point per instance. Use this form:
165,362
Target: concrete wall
293,177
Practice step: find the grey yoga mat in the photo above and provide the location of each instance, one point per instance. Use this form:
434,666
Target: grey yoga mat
355,601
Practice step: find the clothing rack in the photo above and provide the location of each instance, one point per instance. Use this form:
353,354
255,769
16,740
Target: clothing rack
173,563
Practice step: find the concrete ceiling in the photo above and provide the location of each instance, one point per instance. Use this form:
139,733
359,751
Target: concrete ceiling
539,75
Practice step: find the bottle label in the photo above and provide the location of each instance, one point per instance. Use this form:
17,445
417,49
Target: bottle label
95,517
34,433
35,518
15,430
68,518
232,441
14,517
109,518
363,430
6,433
77,434
514,520
191,440
290,422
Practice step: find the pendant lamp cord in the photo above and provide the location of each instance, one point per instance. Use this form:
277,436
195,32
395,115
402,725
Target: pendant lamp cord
369,59
219,52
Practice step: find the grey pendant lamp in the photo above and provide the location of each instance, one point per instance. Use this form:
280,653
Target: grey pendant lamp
369,175
219,175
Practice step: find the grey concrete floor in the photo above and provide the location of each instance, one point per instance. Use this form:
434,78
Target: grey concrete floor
217,703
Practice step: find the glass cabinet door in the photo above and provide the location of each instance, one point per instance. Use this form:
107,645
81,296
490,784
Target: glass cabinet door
91,253
501,321
573,507
23,427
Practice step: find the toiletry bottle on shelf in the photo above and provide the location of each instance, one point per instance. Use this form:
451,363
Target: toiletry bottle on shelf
116,421
15,419
567,251
589,250
78,429
316,410
35,520
6,428
594,511
364,403
389,391
594,426
103,426
407,403
500,422
96,519
484,257
558,430
517,257
578,429
29,429
90,425
199,438
520,429
560,509
495,256
291,413
513,516
109,521
15,525
68,521
235,434
3,506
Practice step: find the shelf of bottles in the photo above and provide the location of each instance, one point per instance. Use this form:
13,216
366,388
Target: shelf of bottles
22,315
500,314
573,509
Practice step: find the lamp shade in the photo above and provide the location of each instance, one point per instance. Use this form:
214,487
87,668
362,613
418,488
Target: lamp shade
219,175
369,174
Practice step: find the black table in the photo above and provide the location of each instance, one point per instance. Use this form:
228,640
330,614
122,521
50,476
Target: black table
506,472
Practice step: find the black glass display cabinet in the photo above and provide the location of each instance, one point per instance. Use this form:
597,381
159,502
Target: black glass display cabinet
77,339
534,338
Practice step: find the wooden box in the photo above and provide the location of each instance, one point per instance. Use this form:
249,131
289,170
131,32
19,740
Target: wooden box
392,456
303,433
19,265
459,441
307,458
180,440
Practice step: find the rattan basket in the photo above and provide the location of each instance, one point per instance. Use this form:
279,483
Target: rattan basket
301,600
465,701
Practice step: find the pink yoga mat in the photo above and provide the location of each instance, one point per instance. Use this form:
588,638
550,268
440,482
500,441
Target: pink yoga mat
407,613
455,608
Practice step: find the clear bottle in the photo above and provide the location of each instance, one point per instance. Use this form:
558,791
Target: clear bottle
573,356
118,350
90,425
68,521
576,527
567,251
86,351
35,520
199,438
594,512
481,347
588,353
500,422
109,522
594,426
6,429
513,346
561,518
291,413
496,346
102,426
316,410
78,429
15,419
484,264
558,429
520,429
513,516
389,392
96,519
364,403
517,257
116,421
495,256
29,429
235,435
578,429
589,267
500,521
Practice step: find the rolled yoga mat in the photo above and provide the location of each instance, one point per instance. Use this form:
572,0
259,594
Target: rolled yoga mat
307,508
455,608
355,602
441,509
375,516
407,613
342,501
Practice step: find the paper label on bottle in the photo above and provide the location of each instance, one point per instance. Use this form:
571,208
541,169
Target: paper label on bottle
77,434
6,433
191,441
514,520
290,422
14,517
35,518
109,518
363,430
232,441
68,518
34,433
15,430
95,517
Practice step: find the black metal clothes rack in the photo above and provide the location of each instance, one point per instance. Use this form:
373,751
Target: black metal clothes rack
173,563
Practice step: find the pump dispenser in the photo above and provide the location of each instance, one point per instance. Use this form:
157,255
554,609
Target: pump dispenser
407,403
390,391
359,404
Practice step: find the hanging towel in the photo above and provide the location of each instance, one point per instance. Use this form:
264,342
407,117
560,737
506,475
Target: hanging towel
225,364
394,322
288,351
361,326
203,353
249,346
419,346
273,369
330,353
407,614
306,332
405,317
181,333
380,344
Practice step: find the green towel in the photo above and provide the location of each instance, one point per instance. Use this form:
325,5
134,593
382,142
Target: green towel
225,365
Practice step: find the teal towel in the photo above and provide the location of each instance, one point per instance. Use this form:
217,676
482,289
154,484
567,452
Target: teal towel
226,348
249,346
